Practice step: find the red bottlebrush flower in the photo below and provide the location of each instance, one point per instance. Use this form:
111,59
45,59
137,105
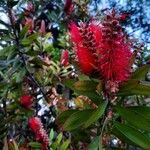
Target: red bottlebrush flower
29,22
114,55
42,28
41,136
26,101
68,6
86,43
64,58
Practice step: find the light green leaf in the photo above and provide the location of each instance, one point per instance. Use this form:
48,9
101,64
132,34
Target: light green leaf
65,145
51,135
35,145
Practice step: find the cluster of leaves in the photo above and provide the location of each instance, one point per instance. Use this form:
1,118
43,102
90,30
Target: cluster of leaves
30,64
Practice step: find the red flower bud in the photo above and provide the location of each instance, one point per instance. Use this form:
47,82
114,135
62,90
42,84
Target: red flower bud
29,22
64,58
68,6
42,28
26,101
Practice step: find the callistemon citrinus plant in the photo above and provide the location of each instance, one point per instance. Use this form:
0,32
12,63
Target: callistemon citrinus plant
106,56
103,47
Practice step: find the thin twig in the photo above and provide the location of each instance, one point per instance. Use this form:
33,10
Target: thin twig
22,55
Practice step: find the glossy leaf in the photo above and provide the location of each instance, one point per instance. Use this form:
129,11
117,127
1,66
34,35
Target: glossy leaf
134,117
134,135
77,119
135,87
65,115
96,114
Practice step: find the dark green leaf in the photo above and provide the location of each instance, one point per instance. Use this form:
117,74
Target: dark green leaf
134,117
94,145
77,119
96,114
135,87
134,135
65,115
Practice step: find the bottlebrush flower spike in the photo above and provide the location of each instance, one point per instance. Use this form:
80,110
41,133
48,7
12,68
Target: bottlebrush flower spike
42,28
26,101
85,39
41,136
114,55
64,58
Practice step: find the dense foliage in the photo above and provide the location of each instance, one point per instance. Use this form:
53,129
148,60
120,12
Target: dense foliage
71,77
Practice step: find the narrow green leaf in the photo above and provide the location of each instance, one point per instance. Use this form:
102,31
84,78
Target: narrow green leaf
94,145
65,115
77,119
24,31
96,114
134,117
140,73
65,145
144,110
51,135
134,135
135,87
35,145
59,138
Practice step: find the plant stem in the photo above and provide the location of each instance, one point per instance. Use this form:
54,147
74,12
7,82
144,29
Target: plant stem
22,55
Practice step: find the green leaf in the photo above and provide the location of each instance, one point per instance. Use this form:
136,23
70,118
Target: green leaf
144,110
24,31
51,135
35,145
94,145
15,145
121,136
57,142
59,138
134,135
141,72
135,87
65,145
77,119
86,85
96,114
134,117
65,115
87,88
